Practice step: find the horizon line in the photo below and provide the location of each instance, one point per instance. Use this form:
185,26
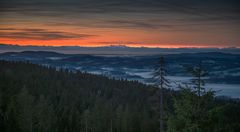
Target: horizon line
127,46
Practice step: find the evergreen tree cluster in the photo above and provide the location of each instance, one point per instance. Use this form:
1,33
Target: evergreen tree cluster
195,110
42,99
37,98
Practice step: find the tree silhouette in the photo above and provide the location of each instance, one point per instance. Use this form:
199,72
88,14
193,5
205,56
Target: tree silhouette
162,82
191,109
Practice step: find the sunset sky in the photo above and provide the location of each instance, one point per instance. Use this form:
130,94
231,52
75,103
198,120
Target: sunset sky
148,23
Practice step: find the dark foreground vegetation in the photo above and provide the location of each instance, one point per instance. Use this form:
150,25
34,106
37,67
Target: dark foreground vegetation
34,98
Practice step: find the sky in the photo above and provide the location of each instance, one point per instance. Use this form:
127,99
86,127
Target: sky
135,23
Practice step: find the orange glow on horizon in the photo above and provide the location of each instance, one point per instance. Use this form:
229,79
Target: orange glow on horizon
107,37
85,43
37,35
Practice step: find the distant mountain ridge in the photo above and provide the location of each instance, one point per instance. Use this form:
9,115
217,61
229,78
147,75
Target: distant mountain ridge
114,50
221,65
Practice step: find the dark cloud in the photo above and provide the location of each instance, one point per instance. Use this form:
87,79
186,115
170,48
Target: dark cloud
39,34
171,15
226,9
123,23
127,23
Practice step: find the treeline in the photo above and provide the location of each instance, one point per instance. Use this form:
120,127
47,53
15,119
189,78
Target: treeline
34,98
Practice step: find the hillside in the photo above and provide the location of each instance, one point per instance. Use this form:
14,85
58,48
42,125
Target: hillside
37,98
43,99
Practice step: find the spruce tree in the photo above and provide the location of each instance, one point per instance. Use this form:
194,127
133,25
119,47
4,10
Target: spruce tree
26,110
191,108
162,82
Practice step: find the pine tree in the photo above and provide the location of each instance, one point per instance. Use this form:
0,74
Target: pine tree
162,82
86,117
45,115
198,78
26,110
1,111
191,108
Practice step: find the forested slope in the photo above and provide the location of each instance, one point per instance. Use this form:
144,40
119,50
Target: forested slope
36,98
43,99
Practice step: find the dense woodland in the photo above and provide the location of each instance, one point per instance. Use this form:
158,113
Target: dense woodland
35,98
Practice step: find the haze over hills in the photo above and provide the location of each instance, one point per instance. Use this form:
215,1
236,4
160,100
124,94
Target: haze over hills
137,63
114,50
223,68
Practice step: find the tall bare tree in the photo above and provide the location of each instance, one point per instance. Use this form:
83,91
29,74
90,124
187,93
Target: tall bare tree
162,82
